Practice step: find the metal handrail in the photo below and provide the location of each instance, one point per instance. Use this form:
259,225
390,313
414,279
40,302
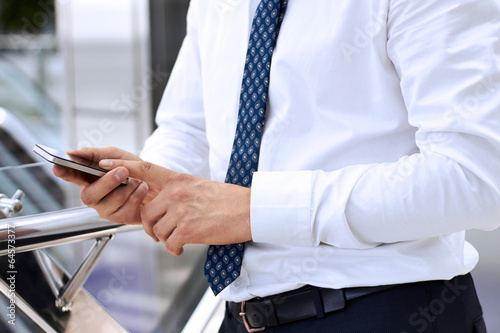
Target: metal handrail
56,291
39,231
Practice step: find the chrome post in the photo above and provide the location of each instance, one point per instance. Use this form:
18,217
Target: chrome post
51,271
69,291
11,205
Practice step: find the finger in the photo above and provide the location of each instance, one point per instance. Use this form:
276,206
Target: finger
80,179
96,154
153,215
129,211
148,228
148,172
161,228
96,191
154,210
112,202
174,245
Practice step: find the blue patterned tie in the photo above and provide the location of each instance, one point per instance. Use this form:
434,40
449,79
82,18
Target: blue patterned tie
223,262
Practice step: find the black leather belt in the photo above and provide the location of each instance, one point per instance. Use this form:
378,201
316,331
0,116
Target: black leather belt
306,302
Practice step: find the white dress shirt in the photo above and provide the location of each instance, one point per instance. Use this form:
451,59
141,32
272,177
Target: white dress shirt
381,144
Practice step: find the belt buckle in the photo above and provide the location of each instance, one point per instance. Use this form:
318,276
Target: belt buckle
245,320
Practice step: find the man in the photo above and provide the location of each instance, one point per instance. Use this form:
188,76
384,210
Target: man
380,147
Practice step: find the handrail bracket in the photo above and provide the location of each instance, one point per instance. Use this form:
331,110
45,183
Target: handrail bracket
64,291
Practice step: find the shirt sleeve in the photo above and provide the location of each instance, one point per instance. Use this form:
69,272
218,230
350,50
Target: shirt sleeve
180,142
447,55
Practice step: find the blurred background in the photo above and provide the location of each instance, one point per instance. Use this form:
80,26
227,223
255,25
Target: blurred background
77,73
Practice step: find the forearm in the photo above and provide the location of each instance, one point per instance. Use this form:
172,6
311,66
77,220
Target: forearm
418,197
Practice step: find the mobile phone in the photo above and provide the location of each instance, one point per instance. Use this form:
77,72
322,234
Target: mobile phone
60,158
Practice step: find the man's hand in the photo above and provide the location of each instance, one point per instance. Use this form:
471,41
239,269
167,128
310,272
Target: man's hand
189,210
113,201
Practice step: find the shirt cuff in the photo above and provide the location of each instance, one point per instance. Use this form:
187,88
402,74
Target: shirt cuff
281,208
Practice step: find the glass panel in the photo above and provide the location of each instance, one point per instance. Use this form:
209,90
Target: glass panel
31,113
136,280
29,71
43,191
31,83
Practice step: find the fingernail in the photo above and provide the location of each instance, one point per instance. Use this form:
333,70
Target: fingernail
106,163
144,188
120,175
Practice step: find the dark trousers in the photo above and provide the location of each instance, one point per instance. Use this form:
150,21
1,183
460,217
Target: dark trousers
432,306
